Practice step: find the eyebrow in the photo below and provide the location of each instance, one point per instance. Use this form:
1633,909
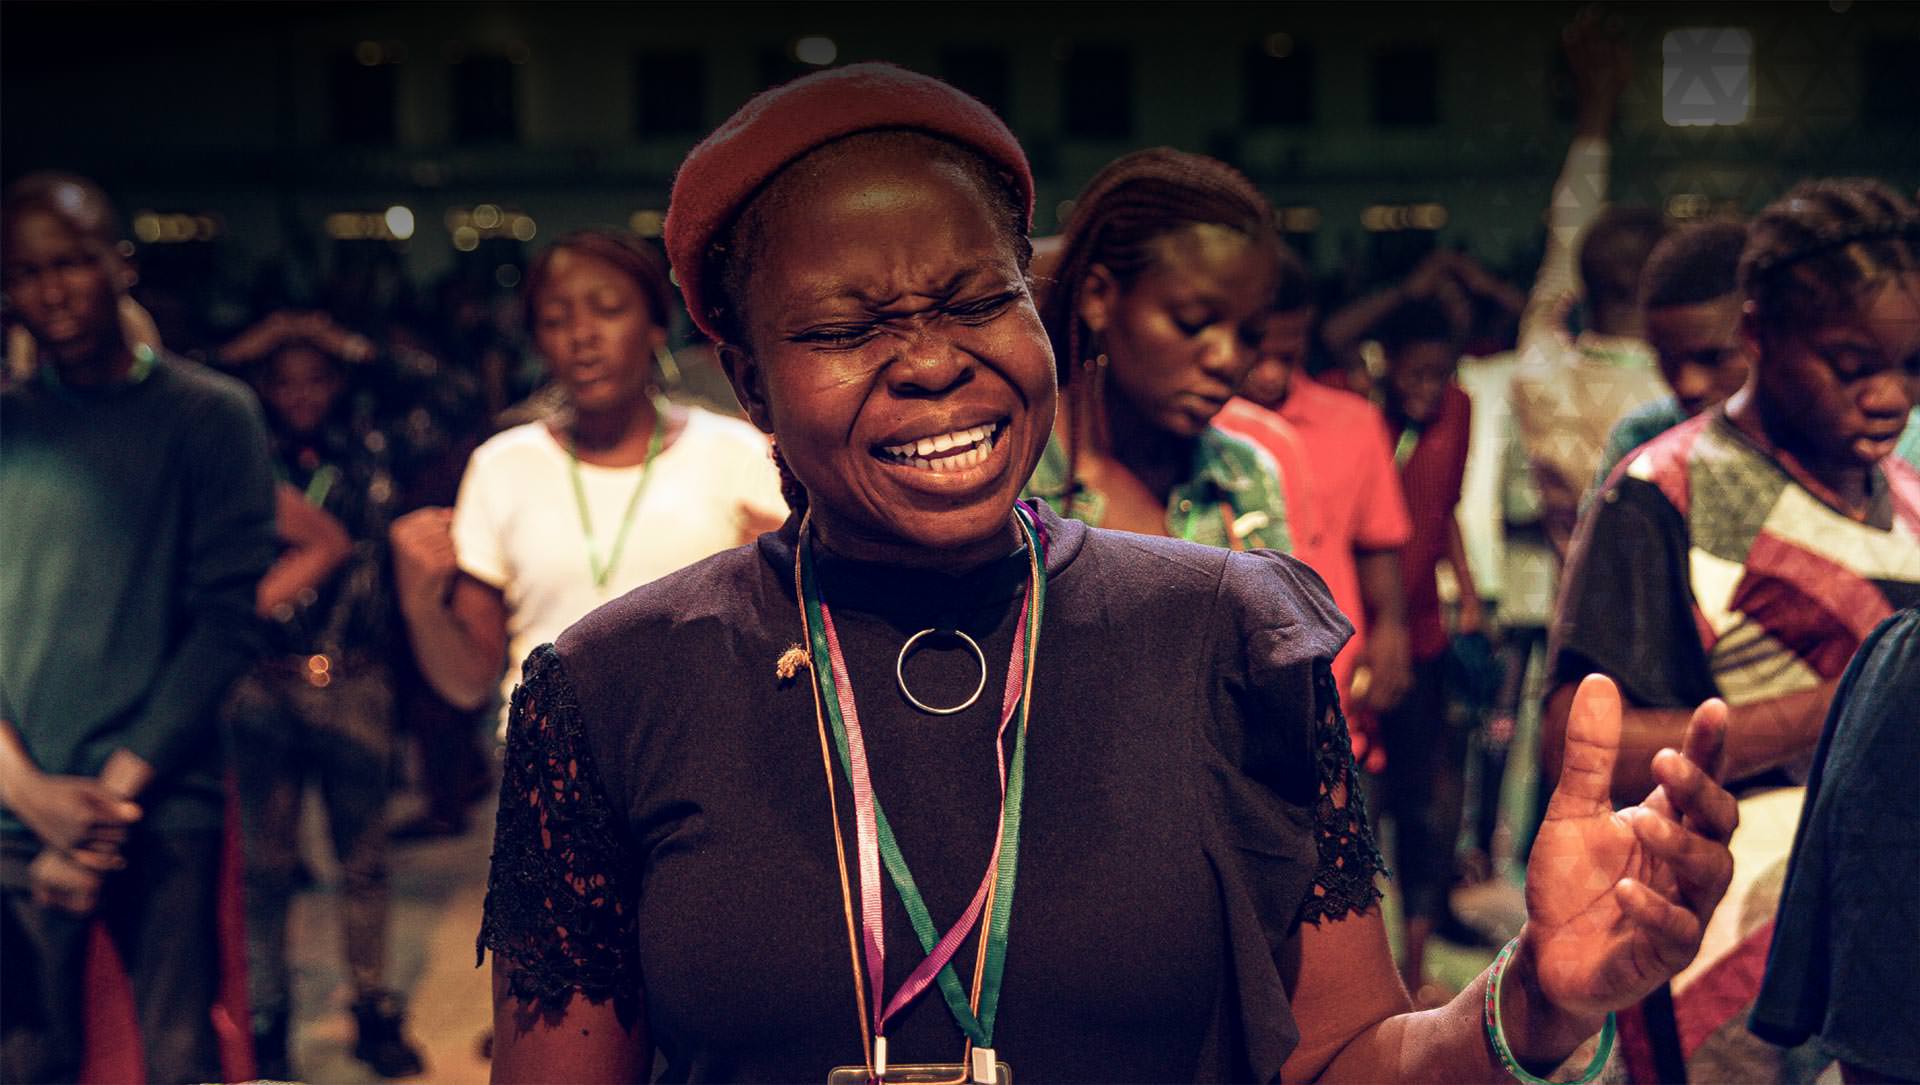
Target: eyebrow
940,292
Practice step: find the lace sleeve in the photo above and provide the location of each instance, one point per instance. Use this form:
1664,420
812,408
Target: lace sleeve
560,910
1344,878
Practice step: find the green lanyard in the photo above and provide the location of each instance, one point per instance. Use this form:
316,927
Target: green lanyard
321,484
601,571
829,674
1403,451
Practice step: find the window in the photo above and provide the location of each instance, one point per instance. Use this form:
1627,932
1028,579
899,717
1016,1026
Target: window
670,92
1096,93
1406,87
483,99
1706,77
363,98
1279,82
983,73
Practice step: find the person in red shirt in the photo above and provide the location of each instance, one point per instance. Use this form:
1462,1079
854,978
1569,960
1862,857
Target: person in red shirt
1428,417
1344,504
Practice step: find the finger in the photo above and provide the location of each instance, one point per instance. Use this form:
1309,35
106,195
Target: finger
1701,868
1701,804
1706,741
1673,933
1592,745
102,862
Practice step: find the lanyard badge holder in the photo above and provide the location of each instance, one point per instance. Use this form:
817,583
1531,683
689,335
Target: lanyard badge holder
991,906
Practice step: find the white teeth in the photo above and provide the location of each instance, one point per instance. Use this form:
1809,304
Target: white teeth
977,444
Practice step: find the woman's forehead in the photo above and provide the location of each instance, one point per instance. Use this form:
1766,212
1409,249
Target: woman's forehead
877,228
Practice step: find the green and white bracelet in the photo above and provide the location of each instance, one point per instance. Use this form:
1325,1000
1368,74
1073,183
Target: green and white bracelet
1497,1036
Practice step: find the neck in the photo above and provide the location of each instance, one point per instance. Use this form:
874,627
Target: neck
107,366
610,430
1116,431
1850,483
860,544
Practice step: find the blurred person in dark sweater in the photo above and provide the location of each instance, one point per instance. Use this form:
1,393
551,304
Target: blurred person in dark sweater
137,516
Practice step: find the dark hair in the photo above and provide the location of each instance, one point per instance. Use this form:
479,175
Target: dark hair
1293,286
1136,200
1614,251
626,251
1810,251
731,258
1694,263
74,200
1417,320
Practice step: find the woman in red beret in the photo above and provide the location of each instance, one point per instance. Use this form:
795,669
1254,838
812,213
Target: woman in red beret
935,785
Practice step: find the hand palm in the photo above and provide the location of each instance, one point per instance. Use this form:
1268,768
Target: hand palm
1593,956
1600,904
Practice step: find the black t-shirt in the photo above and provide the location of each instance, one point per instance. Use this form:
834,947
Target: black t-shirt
1189,801
1846,942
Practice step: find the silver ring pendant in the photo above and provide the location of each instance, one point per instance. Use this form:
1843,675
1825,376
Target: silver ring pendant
900,673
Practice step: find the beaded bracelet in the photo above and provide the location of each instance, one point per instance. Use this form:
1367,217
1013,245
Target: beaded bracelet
1497,1035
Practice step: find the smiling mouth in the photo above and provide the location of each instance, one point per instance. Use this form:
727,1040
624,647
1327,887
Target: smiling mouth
955,451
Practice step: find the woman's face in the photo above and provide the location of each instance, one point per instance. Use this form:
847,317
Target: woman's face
895,353
1847,385
592,325
1182,337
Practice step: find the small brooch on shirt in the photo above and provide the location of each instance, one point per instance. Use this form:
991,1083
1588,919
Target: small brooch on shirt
790,662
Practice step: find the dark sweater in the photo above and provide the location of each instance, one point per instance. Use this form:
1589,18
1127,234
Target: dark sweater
135,523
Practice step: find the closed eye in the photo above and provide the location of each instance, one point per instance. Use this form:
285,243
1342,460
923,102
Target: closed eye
835,335
984,309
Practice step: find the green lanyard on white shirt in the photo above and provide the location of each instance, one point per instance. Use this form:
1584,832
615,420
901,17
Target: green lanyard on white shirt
601,571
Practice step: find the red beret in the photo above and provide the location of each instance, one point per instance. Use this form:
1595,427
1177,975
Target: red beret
779,125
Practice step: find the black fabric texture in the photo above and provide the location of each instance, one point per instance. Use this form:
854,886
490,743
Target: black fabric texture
1846,940
1190,801
1625,607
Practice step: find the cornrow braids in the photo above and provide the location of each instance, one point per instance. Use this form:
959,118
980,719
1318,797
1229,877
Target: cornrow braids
1693,264
1136,200
1810,252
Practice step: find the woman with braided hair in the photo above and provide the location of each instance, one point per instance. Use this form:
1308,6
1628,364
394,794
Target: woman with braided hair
1156,311
1746,553
691,835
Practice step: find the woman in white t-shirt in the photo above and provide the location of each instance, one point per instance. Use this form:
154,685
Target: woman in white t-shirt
558,516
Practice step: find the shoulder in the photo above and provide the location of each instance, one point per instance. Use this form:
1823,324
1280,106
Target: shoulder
712,592
528,442
1249,592
1336,404
712,427
203,390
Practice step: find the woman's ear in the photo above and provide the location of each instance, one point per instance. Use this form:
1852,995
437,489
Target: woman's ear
1098,295
1753,335
743,372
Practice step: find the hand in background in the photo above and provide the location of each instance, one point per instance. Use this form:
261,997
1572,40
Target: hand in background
58,881
424,559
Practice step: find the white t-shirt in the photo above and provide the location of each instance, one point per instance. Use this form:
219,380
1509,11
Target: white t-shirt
516,524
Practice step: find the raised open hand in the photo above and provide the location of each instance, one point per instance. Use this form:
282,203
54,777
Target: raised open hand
1617,900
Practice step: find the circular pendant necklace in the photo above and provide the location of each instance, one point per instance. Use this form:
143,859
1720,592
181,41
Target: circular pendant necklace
900,671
